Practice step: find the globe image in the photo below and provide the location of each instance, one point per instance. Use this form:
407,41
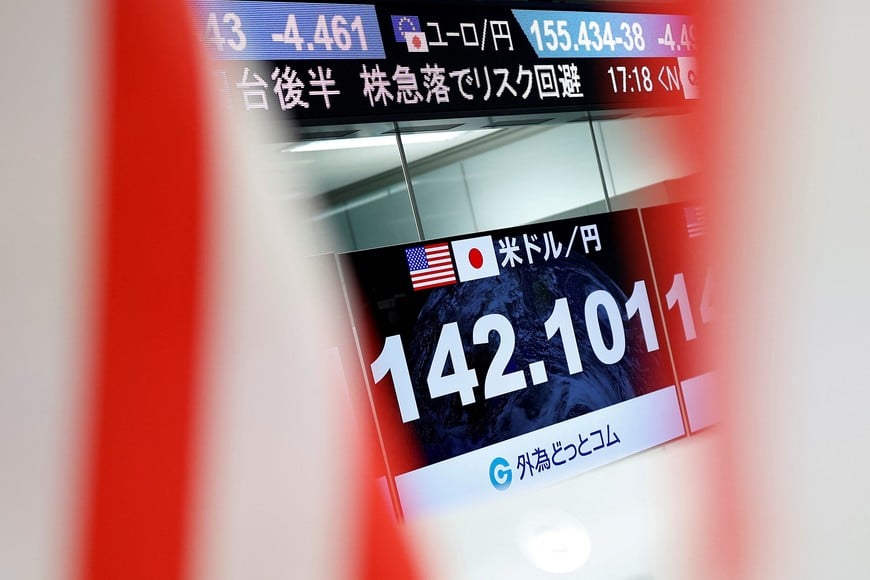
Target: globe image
526,297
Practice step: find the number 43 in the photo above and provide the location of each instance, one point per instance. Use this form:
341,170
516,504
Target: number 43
213,33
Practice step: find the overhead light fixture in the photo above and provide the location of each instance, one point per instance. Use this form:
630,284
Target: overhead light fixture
379,141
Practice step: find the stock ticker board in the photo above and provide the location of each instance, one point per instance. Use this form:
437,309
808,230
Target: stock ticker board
321,62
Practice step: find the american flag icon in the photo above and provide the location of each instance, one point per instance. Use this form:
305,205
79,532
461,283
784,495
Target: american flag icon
696,224
430,266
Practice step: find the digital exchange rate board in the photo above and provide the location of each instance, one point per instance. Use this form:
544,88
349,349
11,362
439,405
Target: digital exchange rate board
513,358
324,62
677,240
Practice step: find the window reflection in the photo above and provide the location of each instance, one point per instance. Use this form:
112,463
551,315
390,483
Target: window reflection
356,181
507,176
648,160
471,175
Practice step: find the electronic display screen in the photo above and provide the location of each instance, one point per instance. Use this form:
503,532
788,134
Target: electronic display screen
321,62
513,358
677,236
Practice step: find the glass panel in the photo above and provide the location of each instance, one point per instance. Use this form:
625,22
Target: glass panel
493,177
355,178
649,160
382,218
443,198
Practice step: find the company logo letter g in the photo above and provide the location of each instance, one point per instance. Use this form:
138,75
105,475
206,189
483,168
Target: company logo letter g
500,473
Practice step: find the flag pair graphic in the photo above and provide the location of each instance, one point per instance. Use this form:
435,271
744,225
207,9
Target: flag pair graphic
408,30
431,265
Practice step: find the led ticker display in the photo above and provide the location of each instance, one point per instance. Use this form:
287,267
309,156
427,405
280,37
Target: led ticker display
333,62
515,357
289,30
605,34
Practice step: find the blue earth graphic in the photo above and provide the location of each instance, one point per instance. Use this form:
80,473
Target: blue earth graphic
526,296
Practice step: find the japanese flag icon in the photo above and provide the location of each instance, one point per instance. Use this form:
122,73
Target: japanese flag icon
416,41
475,258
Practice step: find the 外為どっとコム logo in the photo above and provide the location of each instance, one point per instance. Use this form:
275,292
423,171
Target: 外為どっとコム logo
500,473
